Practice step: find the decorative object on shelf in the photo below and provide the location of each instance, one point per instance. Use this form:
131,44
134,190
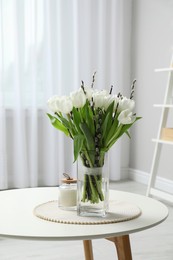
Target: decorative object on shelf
68,193
167,134
95,120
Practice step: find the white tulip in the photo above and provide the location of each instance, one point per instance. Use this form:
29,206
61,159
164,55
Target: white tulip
126,103
52,103
126,117
78,98
99,98
89,92
64,104
108,100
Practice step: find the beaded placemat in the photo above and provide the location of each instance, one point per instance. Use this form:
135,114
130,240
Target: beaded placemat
118,211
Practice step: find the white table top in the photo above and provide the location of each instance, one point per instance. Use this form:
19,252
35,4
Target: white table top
17,219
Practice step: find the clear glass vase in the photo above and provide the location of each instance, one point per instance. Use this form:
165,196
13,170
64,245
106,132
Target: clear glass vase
92,185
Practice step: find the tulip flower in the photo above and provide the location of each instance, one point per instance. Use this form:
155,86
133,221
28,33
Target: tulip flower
126,117
78,98
126,103
52,104
99,98
64,104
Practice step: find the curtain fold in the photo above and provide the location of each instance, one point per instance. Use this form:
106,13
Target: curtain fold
49,47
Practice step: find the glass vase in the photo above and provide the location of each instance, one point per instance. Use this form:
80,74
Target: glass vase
92,185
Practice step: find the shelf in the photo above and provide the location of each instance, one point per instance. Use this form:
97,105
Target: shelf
162,141
162,105
164,69
165,135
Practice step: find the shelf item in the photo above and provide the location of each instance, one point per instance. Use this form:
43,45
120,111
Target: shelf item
165,136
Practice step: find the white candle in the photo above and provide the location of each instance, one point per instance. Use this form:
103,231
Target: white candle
67,196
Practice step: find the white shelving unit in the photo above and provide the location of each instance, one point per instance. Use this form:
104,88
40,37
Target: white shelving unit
166,106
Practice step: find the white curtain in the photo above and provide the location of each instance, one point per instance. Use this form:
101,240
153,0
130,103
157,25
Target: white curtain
47,47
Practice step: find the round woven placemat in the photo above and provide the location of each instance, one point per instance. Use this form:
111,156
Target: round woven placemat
118,211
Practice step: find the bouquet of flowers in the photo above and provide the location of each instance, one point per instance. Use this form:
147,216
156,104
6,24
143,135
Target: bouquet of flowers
95,120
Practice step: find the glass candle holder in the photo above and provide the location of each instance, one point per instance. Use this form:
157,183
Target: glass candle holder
68,194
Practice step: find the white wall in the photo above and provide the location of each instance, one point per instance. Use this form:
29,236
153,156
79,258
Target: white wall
152,42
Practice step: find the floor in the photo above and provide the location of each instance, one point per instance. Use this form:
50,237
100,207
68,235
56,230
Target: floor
153,244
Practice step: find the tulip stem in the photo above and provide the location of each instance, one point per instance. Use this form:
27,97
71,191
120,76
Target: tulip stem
92,189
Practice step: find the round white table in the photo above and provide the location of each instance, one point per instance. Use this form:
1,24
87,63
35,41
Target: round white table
17,220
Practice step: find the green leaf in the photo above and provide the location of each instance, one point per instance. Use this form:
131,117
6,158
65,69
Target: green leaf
88,136
104,125
127,133
121,130
72,128
126,127
76,119
110,110
107,120
78,144
83,111
111,131
115,136
90,119
138,117
58,125
65,122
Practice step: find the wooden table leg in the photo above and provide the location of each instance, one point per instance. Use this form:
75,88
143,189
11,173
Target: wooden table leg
122,244
88,249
